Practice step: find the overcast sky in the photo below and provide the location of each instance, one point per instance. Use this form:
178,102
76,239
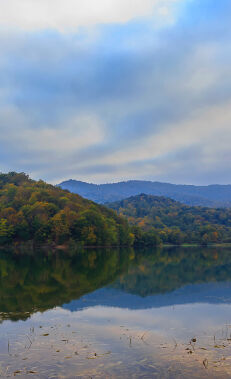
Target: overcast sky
110,90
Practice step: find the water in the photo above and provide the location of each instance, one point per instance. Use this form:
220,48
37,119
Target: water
163,313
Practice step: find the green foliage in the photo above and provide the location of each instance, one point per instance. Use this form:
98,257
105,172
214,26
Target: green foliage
173,222
5,231
31,210
145,238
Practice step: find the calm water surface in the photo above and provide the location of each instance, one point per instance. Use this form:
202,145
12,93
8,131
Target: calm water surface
163,313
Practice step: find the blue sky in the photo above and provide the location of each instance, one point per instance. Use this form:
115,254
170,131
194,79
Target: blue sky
112,90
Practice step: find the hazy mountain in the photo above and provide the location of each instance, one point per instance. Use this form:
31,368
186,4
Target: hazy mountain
210,196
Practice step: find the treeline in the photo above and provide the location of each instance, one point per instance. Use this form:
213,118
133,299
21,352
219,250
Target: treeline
171,222
34,210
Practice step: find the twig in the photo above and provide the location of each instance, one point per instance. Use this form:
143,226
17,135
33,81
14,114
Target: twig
30,342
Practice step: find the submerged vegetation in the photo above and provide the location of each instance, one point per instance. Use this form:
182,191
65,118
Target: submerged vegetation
34,210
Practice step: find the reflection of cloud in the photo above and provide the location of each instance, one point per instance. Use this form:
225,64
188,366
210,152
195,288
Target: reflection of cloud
68,15
118,351
181,320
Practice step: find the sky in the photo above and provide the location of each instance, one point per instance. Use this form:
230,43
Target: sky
110,90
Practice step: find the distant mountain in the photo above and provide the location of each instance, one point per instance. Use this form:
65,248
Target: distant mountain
209,196
175,222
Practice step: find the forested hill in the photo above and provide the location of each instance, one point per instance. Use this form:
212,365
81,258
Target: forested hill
31,210
209,196
174,222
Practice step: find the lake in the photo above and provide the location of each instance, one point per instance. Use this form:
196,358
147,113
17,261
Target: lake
116,313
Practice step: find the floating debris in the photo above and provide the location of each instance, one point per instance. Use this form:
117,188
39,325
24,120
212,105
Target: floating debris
206,363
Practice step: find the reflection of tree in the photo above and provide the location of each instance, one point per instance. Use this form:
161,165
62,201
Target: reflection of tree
38,282
172,268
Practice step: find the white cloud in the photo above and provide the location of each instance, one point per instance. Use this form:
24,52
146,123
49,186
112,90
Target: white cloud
69,15
203,128
72,135
202,68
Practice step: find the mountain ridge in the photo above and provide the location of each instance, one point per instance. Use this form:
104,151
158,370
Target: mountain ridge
213,195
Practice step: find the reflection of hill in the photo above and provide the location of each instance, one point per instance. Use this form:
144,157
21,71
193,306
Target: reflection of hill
37,282
172,268
210,293
40,282
167,277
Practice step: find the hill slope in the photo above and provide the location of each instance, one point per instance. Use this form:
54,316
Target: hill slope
210,196
39,211
175,222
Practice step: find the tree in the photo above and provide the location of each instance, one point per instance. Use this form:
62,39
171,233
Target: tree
5,231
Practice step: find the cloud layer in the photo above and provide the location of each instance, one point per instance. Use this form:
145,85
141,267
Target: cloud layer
69,15
133,97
